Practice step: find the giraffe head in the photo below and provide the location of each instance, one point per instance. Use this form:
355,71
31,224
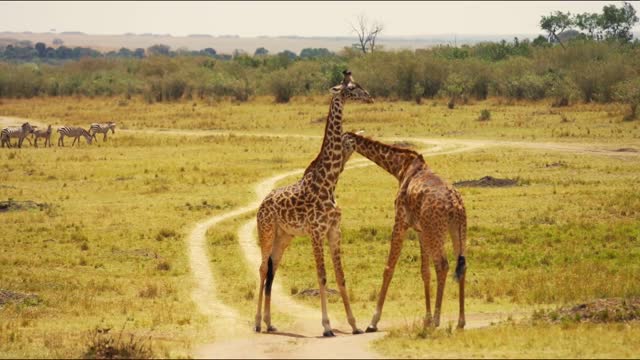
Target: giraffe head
349,89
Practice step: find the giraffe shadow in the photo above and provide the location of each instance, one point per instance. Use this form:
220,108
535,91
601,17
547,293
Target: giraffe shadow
287,334
300,336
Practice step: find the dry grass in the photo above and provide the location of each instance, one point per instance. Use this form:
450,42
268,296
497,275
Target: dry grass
110,245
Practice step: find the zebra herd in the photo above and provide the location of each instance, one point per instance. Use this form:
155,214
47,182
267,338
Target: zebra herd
27,130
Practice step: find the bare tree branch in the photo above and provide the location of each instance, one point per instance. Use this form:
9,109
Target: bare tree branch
366,35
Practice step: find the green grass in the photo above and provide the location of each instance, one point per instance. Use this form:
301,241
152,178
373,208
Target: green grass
111,245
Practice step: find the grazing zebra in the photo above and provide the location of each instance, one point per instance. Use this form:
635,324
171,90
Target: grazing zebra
15,132
103,129
41,133
74,132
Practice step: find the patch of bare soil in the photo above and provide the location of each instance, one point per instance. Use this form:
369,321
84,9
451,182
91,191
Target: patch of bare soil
597,311
12,205
7,296
487,181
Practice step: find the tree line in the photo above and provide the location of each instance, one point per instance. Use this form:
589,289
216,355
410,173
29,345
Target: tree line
582,69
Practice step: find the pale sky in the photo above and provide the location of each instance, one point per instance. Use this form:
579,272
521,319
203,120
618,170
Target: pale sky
285,18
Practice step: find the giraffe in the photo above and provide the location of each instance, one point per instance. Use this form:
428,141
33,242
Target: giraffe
430,206
308,207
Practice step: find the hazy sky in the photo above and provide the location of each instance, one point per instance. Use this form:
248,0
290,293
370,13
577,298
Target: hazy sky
284,18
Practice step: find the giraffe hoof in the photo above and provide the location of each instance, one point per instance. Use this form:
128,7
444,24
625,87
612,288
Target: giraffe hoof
371,329
257,329
357,332
328,334
271,329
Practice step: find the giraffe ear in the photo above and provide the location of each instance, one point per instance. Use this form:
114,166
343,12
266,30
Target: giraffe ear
336,89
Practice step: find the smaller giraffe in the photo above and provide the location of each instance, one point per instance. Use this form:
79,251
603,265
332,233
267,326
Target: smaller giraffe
431,207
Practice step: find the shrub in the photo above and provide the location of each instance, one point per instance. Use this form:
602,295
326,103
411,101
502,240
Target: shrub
282,86
562,90
102,344
629,92
485,115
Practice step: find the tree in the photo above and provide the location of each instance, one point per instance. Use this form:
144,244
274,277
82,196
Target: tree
455,87
591,23
617,22
556,23
124,52
209,52
158,49
41,48
261,52
311,53
138,53
629,92
288,54
367,34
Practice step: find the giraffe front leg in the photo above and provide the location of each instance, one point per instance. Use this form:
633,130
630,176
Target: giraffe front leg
316,241
399,230
334,243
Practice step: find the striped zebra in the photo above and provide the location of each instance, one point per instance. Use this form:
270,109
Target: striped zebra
103,129
41,133
74,132
15,132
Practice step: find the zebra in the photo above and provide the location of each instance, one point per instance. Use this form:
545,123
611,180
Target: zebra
41,133
74,132
15,132
103,129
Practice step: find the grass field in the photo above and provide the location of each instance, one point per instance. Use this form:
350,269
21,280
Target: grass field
109,245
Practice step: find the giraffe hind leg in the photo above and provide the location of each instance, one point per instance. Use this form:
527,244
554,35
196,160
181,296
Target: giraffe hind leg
280,244
266,234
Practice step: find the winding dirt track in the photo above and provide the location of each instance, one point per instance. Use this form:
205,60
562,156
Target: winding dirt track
234,335
301,340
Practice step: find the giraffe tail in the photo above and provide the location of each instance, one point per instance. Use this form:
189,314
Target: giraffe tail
269,282
461,263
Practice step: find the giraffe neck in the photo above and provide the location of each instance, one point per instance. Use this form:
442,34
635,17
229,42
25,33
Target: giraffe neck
329,163
393,159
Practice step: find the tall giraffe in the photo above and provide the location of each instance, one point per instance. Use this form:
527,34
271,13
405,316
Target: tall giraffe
431,207
308,207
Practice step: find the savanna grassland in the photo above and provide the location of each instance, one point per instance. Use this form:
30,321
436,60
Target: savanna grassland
108,248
